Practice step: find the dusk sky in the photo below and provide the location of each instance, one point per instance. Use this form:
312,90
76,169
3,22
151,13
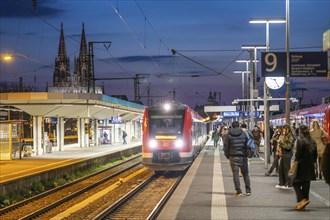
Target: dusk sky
143,32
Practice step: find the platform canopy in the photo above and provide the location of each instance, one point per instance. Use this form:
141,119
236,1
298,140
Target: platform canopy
72,105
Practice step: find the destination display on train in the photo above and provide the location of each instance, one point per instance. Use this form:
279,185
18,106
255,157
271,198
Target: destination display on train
302,64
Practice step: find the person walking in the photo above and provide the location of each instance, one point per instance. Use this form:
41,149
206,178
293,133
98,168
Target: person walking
306,155
234,150
277,152
124,137
257,135
286,143
215,137
317,133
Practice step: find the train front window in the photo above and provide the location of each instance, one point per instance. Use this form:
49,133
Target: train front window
166,124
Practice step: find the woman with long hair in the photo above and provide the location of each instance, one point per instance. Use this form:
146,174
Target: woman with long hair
317,133
306,155
286,143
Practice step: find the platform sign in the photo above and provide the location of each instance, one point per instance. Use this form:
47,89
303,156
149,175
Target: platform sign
242,108
302,64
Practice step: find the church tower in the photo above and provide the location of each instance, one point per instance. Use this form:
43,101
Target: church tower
82,63
62,77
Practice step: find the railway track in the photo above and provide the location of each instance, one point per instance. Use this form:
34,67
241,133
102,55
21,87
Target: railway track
146,200
42,203
129,189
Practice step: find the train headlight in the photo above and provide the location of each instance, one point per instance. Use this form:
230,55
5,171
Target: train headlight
179,143
153,144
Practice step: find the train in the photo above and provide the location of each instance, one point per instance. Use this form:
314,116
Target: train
173,135
306,116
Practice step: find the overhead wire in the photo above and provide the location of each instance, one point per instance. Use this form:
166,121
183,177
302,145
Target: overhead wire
133,34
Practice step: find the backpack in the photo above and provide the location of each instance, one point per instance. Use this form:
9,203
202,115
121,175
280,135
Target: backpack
250,146
124,134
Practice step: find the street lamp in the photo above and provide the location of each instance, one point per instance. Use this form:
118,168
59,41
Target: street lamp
6,57
247,71
253,77
254,47
267,21
243,80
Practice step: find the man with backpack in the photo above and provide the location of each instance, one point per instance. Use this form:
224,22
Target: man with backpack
257,135
235,145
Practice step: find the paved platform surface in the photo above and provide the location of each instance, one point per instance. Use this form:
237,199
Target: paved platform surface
26,166
207,192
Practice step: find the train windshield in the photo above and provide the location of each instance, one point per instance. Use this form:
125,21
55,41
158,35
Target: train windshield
165,123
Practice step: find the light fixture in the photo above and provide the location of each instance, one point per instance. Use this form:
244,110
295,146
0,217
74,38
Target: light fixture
254,46
267,20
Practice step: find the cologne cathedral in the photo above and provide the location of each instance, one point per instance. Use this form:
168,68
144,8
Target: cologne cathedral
81,81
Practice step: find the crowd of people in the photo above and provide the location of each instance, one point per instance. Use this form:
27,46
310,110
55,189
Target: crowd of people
287,142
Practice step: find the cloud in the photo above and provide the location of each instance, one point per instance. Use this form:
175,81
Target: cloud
23,9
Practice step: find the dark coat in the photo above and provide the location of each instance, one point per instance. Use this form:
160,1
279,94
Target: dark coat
235,143
306,156
325,163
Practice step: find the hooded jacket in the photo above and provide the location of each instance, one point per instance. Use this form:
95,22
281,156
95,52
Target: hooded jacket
235,143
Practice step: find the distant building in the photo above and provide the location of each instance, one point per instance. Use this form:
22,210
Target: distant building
212,99
81,81
62,76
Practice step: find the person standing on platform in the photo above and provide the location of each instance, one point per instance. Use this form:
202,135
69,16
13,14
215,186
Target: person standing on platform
124,137
286,143
234,150
306,155
277,152
257,135
215,137
224,132
317,133
325,163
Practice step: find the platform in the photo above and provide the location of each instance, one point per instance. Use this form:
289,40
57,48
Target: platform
207,192
27,166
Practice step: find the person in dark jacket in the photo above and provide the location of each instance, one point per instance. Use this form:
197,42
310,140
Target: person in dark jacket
325,163
234,150
306,156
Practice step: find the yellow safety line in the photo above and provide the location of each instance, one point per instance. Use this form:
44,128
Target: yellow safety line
65,163
96,196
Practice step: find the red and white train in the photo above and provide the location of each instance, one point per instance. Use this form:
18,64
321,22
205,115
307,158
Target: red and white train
173,135
306,116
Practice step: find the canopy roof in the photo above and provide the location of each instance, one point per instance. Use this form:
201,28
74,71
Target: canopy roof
72,105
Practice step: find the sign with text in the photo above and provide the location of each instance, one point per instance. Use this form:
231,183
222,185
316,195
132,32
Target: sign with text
302,64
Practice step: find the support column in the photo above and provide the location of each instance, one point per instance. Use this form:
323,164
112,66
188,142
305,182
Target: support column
96,135
60,133
81,131
86,132
37,134
128,126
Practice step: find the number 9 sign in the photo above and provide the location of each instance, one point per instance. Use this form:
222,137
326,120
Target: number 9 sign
273,64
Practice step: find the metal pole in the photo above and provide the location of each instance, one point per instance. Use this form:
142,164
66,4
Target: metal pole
287,80
243,84
251,89
266,110
266,129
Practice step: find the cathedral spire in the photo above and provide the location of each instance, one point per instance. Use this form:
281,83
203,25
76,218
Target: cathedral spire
62,76
61,48
83,44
